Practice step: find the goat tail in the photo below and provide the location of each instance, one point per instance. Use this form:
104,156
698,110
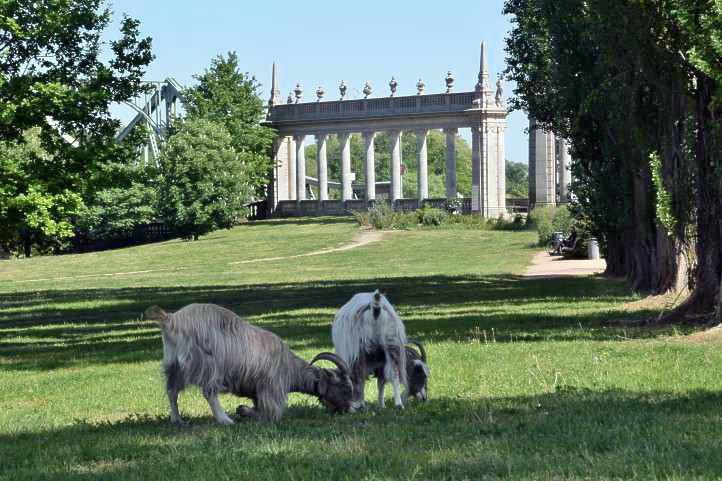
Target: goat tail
155,313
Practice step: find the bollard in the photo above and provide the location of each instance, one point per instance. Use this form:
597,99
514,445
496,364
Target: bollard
593,248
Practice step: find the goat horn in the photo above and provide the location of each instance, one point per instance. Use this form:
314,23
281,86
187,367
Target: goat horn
421,348
334,358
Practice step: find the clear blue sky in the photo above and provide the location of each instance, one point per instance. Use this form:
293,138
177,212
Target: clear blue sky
323,42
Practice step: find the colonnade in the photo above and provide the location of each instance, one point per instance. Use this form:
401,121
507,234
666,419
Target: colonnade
297,165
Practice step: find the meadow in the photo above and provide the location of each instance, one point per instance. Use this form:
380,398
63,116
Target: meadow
531,379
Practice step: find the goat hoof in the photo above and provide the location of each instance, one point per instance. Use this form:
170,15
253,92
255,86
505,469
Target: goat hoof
179,422
225,421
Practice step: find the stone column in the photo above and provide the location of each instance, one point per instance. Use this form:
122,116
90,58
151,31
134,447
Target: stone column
476,172
423,169
396,188
565,174
542,169
501,170
291,169
300,167
369,166
345,144
450,163
322,164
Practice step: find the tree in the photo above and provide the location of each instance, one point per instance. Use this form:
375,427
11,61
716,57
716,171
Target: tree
229,97
637,87
517,180
203,181
52,79
36,210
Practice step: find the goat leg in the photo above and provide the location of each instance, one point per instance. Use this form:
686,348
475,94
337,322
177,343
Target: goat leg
218,412
175,417
381,383
391,371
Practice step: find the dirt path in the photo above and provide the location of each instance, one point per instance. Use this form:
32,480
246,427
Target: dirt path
545,266
360,239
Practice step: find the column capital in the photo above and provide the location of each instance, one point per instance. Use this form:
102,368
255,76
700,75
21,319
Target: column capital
421,131
320,136
299,137
368,133
451,130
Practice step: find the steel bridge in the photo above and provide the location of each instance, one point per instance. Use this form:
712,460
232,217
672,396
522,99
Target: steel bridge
157,108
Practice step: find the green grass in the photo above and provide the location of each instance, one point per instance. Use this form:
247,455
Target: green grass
531,379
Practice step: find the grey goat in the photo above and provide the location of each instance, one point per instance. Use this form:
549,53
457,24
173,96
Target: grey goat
417,373
211,347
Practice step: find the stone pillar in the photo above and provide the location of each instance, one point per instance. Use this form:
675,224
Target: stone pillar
322,164
423,169
565,174
369,166
542,167
476,171
450,163
291,169
396,187
501,169
300,167
345,144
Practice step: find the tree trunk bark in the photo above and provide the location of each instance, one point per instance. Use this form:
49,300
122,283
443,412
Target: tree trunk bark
705,299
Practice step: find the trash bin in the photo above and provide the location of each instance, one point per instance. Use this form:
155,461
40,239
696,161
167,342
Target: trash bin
593,248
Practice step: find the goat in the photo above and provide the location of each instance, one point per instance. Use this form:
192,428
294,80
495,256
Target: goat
417,374
368,334
211,347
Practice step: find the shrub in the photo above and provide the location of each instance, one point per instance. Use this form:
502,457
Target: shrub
115,214
519,222
380,215
361,217
431,216
548,220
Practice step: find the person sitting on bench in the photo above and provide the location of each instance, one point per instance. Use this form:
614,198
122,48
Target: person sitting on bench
570,241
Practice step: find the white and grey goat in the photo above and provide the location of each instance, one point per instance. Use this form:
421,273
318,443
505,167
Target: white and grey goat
369,335
211,347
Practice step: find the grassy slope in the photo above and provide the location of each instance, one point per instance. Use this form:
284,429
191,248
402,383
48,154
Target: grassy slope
527,380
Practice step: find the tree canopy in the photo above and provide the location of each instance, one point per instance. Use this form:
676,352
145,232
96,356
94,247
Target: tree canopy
55,81
203,182
227,96
636,87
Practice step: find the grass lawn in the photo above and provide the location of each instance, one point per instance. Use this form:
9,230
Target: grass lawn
531,379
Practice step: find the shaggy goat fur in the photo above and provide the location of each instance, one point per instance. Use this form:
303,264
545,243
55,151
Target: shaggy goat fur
368,333
417,374
211,347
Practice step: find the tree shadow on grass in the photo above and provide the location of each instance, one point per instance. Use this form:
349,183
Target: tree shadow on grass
572,433
56,328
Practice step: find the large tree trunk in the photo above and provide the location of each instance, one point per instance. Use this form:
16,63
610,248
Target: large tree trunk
614,255
704,299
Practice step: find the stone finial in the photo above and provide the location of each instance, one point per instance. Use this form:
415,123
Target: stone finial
319,92
342,89
499,97
367,90
420,87
290,97
449,82
483,89
298,91
393,84
275,91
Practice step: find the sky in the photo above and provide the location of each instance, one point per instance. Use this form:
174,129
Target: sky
323,42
